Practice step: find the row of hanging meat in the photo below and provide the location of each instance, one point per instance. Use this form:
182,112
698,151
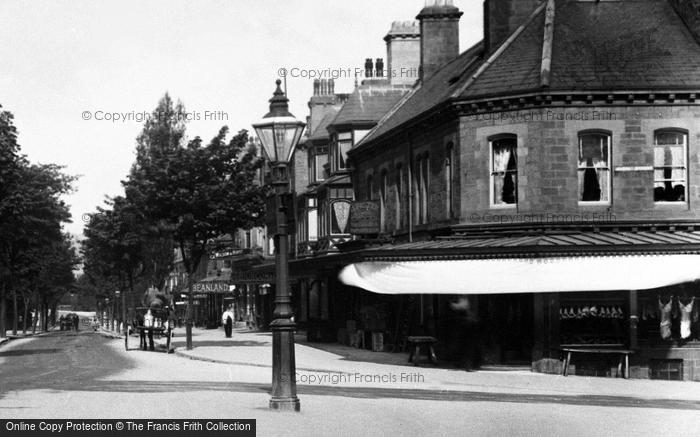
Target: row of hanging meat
585,312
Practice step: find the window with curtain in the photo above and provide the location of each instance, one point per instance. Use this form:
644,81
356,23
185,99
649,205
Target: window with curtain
382,201
424,185
398,192
670,172
594,167
449,179
504,170
318,157
417,190
312,220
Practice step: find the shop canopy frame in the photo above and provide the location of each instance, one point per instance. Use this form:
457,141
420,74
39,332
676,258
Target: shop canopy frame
530,262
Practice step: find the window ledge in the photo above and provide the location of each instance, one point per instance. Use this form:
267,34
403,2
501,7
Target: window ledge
683,204
594,204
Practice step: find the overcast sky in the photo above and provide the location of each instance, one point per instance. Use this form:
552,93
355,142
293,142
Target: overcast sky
63,61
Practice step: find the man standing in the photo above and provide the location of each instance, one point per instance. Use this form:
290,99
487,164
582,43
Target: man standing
227,320
467,332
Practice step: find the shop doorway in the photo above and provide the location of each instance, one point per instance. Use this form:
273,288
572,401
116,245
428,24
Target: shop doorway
507,328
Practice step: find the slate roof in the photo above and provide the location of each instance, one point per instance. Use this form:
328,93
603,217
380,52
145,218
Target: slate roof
597,46
368,103
321,131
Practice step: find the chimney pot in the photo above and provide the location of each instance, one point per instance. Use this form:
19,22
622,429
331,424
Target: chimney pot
369,67
379,64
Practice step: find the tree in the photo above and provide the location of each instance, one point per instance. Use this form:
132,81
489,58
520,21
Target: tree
31,215
197,192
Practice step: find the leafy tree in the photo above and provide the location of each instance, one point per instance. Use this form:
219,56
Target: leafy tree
197,192
31,215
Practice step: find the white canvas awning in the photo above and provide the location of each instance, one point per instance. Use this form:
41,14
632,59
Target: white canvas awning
523,275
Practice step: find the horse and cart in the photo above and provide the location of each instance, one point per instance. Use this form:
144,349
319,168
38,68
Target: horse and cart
154,319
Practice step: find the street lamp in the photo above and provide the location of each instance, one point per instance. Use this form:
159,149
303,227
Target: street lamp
279,133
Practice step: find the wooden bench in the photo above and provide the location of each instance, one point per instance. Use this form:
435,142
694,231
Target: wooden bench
414,345
623,353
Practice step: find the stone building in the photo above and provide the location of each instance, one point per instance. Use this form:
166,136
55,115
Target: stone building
551,174
536,192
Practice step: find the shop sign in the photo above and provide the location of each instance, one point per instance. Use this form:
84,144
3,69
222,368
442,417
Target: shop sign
364,217
211,287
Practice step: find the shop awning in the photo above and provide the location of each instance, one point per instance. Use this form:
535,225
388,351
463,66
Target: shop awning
541,263
523,275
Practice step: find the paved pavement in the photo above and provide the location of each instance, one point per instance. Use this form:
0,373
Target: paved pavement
84,375
343,366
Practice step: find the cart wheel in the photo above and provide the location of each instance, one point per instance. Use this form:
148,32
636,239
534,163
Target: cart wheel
126,338
170,336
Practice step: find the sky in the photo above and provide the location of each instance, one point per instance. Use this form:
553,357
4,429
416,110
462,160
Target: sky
68,66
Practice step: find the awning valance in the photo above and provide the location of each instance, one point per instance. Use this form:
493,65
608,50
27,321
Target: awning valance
523,275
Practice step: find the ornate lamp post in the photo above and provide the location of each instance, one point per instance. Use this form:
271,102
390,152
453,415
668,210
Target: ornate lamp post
279,133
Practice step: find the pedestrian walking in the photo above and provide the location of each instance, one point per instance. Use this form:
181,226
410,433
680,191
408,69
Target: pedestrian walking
467,333
76,322
227,319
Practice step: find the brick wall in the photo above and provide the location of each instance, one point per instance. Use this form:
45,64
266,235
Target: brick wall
548,154
434,142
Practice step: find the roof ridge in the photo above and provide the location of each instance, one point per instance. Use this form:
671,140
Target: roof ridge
547,43
500,50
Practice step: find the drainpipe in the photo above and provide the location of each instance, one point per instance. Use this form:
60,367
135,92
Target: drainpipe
409,192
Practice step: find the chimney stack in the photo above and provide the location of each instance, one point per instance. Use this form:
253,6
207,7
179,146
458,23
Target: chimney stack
403,52
689,10
439,35
317,87
503,17
331,87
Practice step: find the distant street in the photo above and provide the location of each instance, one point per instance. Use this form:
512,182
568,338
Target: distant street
84,375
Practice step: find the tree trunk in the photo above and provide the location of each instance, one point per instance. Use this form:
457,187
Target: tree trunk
3,311
45,317
15,310
37,303
26,313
